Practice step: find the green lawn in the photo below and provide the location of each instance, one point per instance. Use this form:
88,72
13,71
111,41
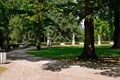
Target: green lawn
72,52
107,51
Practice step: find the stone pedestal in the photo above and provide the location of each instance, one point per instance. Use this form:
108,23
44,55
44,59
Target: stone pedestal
2,57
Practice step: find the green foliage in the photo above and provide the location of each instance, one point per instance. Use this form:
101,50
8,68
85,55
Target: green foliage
102,28
105,42
15,26
64,25
55,43
59,18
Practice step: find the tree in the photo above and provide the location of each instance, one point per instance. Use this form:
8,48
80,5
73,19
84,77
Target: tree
65,20
1,38
113,13
101,28
33,14
9,10
4,11
89,49
16,29
116,25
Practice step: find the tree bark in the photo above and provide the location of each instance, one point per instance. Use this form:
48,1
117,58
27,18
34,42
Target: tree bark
116,34
38,30
38,36
1,39
89,49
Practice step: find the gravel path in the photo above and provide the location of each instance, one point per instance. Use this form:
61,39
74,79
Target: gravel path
22,66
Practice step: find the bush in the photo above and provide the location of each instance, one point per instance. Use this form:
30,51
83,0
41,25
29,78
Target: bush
44,43
68,43
32,43
105,42
77,43
55,43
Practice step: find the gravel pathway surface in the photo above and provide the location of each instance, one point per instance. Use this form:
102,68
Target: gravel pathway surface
21,66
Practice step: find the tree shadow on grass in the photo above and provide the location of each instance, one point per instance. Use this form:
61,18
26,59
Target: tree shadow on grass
111,69
21,55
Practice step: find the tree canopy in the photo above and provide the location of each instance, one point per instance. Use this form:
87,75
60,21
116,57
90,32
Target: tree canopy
34,19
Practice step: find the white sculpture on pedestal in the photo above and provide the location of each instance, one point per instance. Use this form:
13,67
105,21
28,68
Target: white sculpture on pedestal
73,39
48,40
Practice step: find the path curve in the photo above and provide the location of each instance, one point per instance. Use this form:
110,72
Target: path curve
22,66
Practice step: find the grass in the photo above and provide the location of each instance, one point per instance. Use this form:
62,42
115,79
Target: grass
57,52
107,51
72,52
2,69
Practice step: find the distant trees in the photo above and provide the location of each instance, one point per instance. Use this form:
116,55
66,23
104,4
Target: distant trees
63,23
102,28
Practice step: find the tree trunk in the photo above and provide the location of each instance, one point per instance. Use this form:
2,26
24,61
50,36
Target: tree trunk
1,38
5,42
38,30
38,36
116,34
89,50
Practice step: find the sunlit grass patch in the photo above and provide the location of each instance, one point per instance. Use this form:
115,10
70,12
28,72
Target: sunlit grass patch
58,52
71,52
2,69
107,51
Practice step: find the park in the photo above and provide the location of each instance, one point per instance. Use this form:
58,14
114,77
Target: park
59,40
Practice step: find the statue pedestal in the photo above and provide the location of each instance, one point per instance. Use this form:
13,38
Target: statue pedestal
2,57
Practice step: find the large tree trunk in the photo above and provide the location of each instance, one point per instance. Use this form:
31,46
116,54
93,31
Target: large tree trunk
89,50
116,34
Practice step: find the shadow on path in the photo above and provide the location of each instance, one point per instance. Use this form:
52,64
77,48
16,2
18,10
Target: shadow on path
21,55
109,69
